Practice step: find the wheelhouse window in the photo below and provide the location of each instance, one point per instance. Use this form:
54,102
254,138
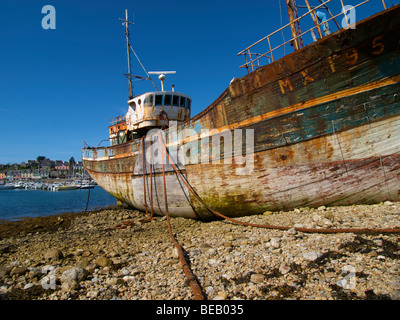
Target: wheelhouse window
148,100
167,100
158,100
183,102
176,101
133,105
188,103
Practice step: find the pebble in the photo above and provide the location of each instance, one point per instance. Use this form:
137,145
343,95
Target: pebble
256,277
28,286
284,269
18,271
74,275
103,261
175,253
221,296
275,242
311,256
53,254
230,261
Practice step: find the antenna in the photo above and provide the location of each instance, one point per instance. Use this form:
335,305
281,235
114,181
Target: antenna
162,76
126,23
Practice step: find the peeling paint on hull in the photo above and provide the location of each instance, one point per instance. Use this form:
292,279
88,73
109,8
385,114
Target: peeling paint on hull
326,123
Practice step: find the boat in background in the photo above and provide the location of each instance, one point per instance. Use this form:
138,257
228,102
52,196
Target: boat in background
19,185
319,126
86,186
67,187
6,186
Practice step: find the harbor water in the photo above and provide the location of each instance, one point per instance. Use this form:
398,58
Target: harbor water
20,203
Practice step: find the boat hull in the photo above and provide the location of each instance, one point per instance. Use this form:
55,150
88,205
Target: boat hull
320,126
67,188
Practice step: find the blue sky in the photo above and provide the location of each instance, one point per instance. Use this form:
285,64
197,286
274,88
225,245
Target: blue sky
59,87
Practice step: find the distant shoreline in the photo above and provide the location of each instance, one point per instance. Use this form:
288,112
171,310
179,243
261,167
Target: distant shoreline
15,226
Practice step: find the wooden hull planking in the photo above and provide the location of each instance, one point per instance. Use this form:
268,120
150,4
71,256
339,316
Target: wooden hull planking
326,125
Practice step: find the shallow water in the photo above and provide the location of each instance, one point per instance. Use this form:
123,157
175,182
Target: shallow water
15,204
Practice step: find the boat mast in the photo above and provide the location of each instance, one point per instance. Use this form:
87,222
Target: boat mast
129,75
291,8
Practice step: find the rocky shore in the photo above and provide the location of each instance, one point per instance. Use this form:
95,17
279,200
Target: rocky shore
112,254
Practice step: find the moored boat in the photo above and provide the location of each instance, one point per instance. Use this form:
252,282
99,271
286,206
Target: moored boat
6,186
319,126
67,187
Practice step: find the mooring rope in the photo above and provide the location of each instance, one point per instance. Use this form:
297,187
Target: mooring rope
88,196
149,216
197,292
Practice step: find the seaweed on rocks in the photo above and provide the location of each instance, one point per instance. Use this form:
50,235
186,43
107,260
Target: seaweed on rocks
32,293
371,295
341,294
278,292
388,248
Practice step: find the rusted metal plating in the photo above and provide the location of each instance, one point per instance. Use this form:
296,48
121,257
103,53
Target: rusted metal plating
325,122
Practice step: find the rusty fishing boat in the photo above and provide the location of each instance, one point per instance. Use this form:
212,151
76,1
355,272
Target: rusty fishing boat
318,126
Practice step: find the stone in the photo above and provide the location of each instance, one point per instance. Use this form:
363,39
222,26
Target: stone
257,277
28,285
103,261
15,263
54,254
275,243
35,273
126,271
69,286
221,296
316,217
311,256
92,294
227,244
204,247
329,215
5,271
72,277
372,253
195,252
175,253
114,281
83,263
86,253
213,262
209,290
5,248
19,271
284,269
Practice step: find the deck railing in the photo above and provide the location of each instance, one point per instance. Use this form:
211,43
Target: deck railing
319,29
117,120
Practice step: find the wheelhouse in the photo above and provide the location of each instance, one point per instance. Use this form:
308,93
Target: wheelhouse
148,111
